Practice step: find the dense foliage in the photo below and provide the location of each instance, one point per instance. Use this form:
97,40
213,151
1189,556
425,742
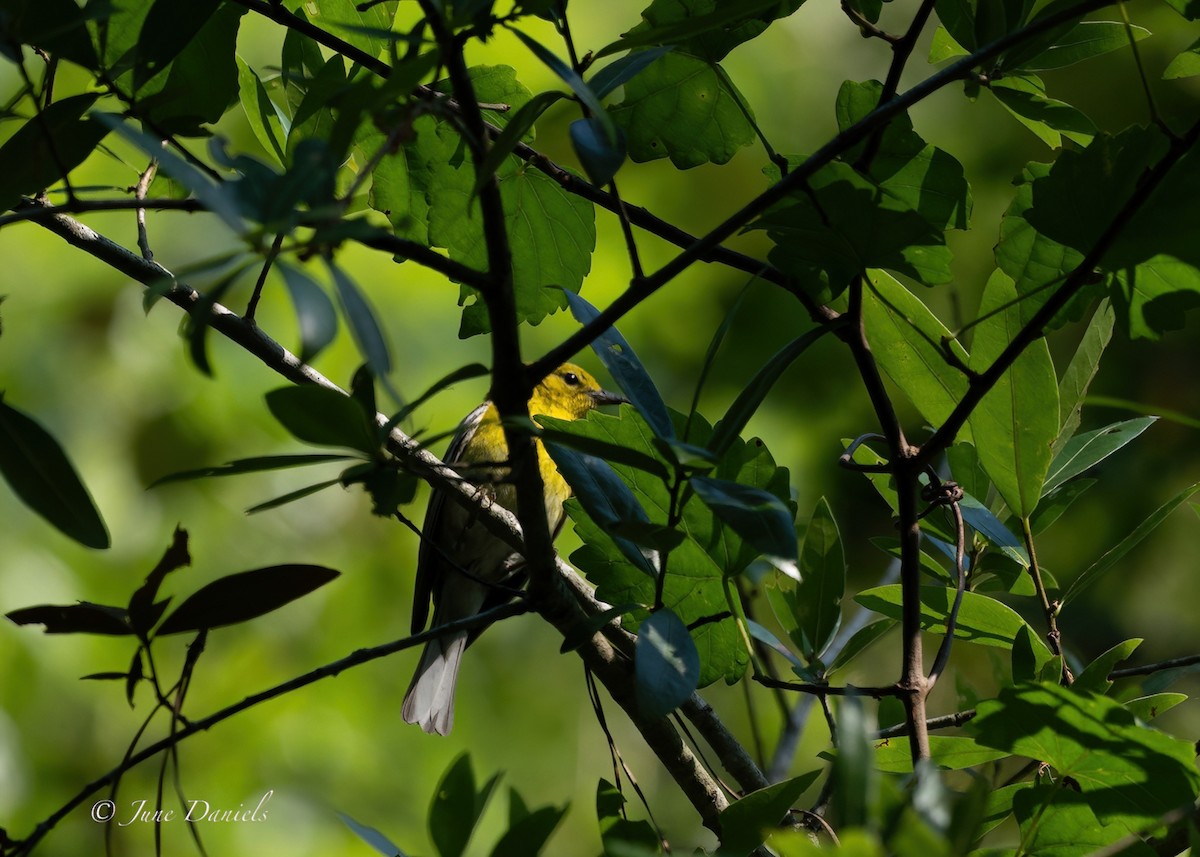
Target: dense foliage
395,129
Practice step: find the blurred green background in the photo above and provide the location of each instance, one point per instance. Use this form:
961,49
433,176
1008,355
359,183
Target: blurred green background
116,388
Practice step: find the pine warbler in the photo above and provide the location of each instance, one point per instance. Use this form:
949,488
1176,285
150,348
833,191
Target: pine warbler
460,563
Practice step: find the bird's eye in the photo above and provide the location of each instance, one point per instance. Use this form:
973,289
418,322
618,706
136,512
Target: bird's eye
571,378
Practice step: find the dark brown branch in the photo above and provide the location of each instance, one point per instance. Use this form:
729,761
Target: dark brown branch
1148,669
830,690
946,721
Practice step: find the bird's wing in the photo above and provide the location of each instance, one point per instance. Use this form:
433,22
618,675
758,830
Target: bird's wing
429,558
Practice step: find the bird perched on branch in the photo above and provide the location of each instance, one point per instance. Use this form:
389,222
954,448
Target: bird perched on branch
462,566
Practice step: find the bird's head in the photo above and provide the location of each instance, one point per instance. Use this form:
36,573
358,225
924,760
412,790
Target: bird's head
568,393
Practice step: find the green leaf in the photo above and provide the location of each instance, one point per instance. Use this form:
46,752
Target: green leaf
57,26
703,28
293,496
618,832
754,393
666,664
745,822
520,125
855,781
245,595
1185,64
323,417
694,587
1024,96
600,154
527,836
607,500
863,639
364,29
165,33
817,599
30,163
761,518
363,322
1130,774
846,223
943,47
248,465
1052,505
948,754
315,315
40,474
1116,553
262,114
1086,450
1085,40
571,77
683,108
1057,822
620,72
623,364
1081,370
1017,422
981,619
463,373
906,339
456,807
989,526
927,179
1094,678
1146,708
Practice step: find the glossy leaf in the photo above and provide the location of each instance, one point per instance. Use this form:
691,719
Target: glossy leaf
981,619
906,339
758,516
746,821
619,72
1086,450
1017,421
1116,553
600,156
1146,708
666,664
40,474
245,595
1086,39
818,595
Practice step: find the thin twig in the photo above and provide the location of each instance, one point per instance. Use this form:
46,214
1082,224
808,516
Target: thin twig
946,721
829,689
139,193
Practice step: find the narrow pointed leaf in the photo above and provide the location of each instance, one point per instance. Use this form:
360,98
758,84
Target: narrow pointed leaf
245,595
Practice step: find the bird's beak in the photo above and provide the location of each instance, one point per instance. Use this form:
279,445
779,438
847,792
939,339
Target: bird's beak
604,397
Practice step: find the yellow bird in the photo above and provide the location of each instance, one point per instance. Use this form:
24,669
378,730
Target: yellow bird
461,565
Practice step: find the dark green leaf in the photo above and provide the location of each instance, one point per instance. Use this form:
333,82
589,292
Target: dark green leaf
603,449
1130,774
1185,64
456,807
705,29
167,30
1080,371
622,363
571,77
863,638
948,754
607,500
81,618
586,628
245,595
315,314
1086,40
615,829
1116,553
666,664
1024,96
143,611
685,109
855,783
35,157
249,465
1053,505
1146,708
264,118
324,417
817,599
981,619
746,821
1086,450
620,72
57,26
754,393
981,519
527,837
363,323
40,474
367,29
517,128
600,156
463,373
758,516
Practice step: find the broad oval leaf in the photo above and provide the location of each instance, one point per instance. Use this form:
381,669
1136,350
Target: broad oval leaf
245,595
324,417
757,515
666,664
39,472
746,821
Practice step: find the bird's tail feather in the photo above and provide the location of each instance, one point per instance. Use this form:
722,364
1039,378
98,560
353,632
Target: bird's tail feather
429,702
